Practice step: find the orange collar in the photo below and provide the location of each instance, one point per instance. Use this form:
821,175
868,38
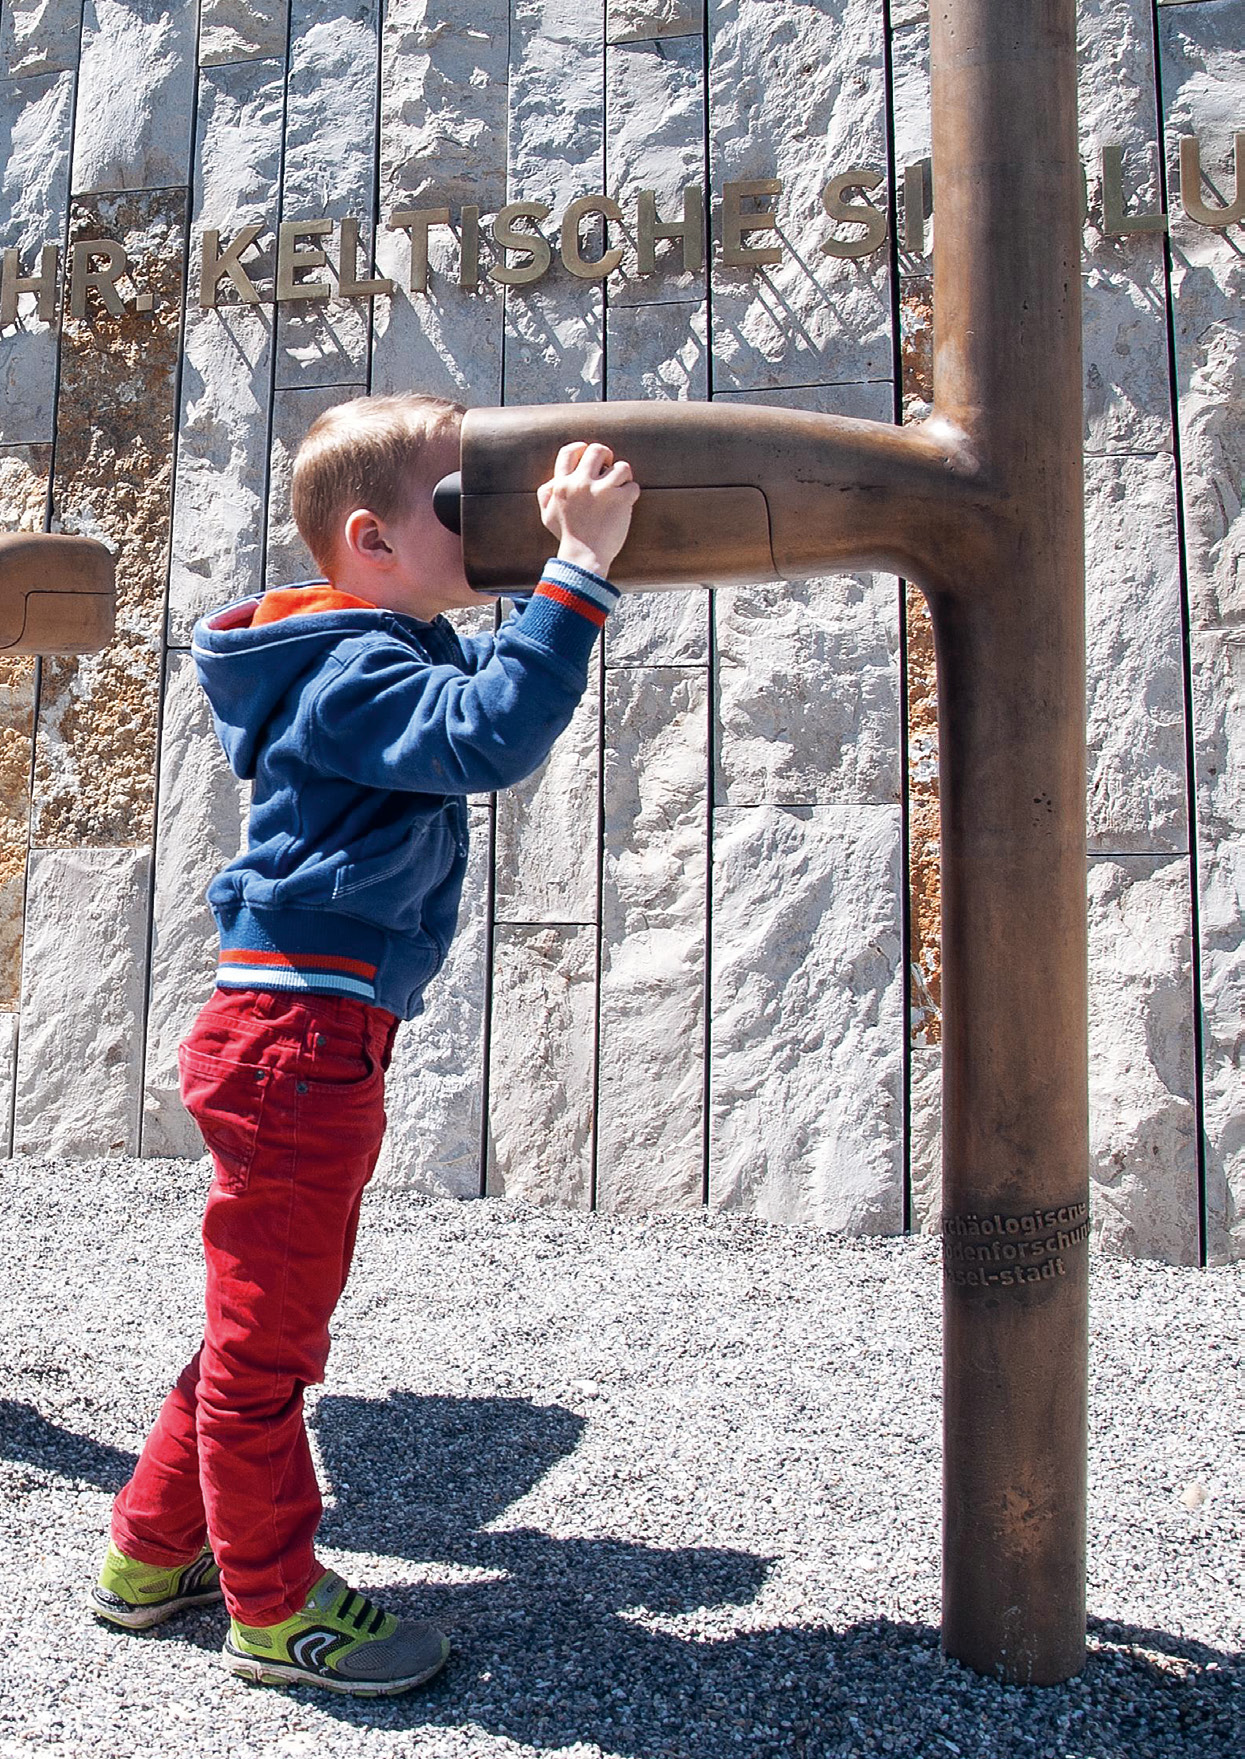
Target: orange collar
299,601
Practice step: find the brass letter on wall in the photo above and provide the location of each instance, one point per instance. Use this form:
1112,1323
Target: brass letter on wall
291,260
15,283
735,253
589,269
1191,187
469,252
104,280
349,285
691,229
217,262
417,223
856,213
510,237
1115,223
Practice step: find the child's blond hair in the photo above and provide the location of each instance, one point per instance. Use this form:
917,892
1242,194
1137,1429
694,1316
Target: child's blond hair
369,453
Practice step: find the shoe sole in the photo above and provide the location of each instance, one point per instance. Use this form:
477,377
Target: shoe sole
257,1672
143,1618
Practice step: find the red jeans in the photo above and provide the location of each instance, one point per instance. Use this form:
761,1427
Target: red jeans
289,1095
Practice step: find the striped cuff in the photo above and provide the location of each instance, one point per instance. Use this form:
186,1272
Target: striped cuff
568,608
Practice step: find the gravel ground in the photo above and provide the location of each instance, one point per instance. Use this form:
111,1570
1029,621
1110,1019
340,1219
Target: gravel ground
670,1484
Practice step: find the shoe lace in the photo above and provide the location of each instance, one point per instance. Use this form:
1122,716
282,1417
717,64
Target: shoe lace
364,1614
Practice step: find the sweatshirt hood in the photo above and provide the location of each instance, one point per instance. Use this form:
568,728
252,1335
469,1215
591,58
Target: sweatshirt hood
250,653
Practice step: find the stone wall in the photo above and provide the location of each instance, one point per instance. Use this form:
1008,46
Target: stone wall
699,955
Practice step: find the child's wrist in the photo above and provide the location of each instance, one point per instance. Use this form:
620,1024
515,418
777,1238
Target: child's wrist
582,555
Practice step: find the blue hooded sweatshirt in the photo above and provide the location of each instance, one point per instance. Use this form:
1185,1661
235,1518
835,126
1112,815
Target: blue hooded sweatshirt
361,731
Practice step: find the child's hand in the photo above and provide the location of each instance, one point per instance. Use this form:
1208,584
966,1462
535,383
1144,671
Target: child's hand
587,504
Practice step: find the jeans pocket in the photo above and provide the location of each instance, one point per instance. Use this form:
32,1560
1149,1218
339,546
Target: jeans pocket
226,1101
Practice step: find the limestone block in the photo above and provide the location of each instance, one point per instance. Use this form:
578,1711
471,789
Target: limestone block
1143,1127
1135,710
1218,658
98,715
633,21
924,829
808,678
136,82
36,119
293,411
1200,47
9,1026
434,1095
799,95
1221,877
908,12
1127,394
554,327
222,448
925,1137
201,825
655,100
541,1064
39,36
241,30
84,981
548,828
656,352
329,170
17,710
806,1016
650,1106
24,472
443,131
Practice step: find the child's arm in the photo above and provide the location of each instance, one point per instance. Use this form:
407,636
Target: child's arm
387,720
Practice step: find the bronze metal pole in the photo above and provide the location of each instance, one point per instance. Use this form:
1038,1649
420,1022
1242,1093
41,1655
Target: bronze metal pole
982,506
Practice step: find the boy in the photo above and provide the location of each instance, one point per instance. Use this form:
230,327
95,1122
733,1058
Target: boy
362,721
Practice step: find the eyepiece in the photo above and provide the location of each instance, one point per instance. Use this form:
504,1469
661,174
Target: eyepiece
447,501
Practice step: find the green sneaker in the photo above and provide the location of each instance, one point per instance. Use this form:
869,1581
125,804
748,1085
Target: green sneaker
339,1640
139,1595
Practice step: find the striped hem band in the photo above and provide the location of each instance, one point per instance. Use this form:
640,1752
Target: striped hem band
323,973
579,590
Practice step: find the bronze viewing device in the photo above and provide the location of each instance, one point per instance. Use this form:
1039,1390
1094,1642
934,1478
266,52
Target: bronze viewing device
981,506
57,594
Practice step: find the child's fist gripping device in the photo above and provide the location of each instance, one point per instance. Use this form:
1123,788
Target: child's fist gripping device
728,492
57,594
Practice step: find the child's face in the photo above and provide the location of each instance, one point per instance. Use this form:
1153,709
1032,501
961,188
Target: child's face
410,562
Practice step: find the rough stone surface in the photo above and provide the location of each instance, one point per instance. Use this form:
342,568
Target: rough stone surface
221,485
136,84
633,21
925,1136
798,95
655,101
95,758
548,828
1135,710
443,130
541,1071
1127,396
329,170
241,30
287,558
23,497
84,977
651,1088
201,824
1201,83
39,36
1221,878
434,1094
808,679
1143,1130
924,828
36,119
806,1016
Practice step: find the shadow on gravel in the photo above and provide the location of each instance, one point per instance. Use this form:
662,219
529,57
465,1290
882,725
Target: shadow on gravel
34,1440
565,1645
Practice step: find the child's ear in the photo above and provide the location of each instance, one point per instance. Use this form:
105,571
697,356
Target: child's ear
364,536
